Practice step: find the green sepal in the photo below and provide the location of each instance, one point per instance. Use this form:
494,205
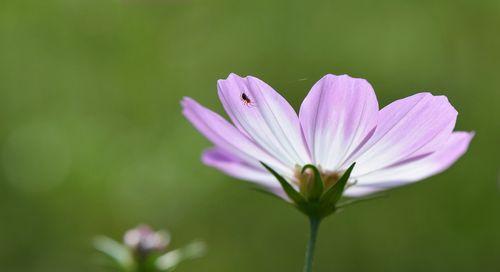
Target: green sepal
289,190
332,195
314,192
314,201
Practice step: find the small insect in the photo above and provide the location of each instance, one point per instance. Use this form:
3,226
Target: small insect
246,100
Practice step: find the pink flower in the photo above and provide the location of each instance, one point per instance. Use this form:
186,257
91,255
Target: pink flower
144,240
339,123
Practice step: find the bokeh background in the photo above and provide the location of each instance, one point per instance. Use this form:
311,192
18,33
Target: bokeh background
92,140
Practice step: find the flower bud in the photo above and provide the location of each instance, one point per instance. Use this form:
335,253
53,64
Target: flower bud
311,183
142,240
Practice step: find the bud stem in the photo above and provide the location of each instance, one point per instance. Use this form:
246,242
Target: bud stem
142,266
314,226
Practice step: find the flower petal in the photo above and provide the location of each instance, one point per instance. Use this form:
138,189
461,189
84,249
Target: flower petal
235,167
224,135
337,116
265,116
358,191
407,128
413,170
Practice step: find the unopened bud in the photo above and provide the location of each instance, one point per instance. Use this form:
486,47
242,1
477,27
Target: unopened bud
311,183
143,240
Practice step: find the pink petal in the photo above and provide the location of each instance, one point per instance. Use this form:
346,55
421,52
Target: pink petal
413,170
224,135
337,115
407,128
358,191
265,116
235,167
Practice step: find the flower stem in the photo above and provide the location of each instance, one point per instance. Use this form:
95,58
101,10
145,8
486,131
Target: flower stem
314,226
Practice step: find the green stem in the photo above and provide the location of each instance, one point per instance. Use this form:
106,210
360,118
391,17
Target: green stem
143,264
314,226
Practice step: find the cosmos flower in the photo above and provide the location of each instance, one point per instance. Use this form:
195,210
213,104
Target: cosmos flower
339,123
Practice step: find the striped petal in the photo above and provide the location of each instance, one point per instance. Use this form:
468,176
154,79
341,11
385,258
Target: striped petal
265,116
413,170
226,136
235,167
407,129
337,116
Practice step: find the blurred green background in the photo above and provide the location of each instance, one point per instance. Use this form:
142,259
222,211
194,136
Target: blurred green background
92,140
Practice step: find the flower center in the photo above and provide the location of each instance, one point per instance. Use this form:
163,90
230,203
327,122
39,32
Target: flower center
306,180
